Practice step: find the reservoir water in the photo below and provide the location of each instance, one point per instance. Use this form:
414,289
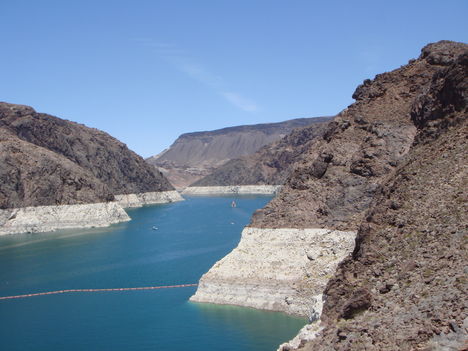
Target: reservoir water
187,239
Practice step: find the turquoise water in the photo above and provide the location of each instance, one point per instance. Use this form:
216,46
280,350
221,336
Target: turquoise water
191,236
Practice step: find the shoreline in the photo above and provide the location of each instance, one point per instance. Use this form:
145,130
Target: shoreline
276,269
38,219
232,189
270,269
283,270
150,198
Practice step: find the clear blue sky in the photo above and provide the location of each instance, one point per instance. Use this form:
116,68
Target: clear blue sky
147,71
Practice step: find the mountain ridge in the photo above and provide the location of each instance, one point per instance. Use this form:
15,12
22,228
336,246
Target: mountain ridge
268,128
50,161
270,165
195,155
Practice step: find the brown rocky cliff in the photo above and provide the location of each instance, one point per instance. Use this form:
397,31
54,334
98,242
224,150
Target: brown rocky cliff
48,161
404,288
337,177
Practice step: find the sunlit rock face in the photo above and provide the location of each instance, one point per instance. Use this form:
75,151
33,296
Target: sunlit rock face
276,269
232,190
150,198
50,218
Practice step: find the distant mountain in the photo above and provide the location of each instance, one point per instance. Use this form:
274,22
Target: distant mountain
271,164
392,169
195,155
46,160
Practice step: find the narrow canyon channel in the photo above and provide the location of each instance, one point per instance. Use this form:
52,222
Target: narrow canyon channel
163,245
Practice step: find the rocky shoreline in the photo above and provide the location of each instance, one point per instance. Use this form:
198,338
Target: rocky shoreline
150,198
282,270
36,219
50,218
391,168
232,189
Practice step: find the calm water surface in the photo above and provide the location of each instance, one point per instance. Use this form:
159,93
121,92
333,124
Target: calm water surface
191,236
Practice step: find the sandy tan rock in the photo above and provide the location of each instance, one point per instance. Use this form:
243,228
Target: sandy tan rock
151,198
50,218
36,219
234,189
276,269
195,155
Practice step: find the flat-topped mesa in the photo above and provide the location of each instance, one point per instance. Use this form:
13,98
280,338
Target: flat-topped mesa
268,166
47,161
193,156
232,190
334,183
264,171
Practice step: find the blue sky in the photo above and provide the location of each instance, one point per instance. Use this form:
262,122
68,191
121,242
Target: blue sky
147,71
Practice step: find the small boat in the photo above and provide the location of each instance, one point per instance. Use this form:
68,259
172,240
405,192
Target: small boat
154,228
233,204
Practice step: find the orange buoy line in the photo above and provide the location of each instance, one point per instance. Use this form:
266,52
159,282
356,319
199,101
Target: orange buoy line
95,290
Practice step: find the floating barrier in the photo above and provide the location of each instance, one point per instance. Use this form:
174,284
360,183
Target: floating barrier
96,290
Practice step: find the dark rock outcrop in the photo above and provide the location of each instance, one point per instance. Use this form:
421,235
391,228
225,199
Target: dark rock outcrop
410,254
196,155
49,161
336,178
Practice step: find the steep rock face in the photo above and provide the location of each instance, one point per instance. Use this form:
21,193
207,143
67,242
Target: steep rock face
273,269
195,155
49,161
333,184
34,176
404,288
269,165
